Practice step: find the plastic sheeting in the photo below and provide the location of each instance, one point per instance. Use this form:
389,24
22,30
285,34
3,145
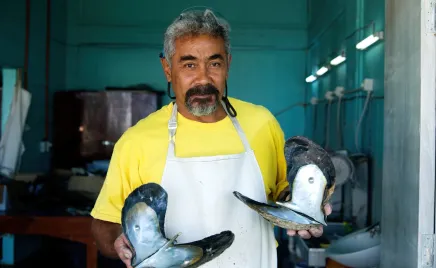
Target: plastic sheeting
11,144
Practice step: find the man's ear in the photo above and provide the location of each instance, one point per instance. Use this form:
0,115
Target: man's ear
166,68
229,60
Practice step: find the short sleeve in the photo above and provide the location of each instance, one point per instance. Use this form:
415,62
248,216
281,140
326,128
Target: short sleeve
123,168
279,143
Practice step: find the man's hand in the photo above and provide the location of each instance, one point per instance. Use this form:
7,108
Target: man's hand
316,232
123,249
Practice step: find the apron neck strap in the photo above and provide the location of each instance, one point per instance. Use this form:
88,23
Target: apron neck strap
172,123
172,127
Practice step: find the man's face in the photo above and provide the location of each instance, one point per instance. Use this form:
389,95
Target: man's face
198,73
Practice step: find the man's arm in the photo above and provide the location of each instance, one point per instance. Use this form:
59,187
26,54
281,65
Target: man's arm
120,178
278,137
105,233
284,195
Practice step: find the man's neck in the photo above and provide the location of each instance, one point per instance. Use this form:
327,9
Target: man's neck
216,116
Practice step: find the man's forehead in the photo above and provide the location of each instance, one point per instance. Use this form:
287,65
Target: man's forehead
199,41
196,48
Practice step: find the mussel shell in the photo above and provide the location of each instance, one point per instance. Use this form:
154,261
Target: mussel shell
278,215
170,255
145,208
301,151
212,246
154,196
192,254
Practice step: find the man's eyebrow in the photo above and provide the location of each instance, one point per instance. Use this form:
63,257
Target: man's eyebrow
216,56
187,57
190,57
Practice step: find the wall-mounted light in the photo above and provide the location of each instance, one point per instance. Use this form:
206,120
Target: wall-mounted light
322,70
365,43
310,79
339,59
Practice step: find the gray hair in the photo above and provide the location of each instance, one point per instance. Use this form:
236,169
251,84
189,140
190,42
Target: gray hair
195,22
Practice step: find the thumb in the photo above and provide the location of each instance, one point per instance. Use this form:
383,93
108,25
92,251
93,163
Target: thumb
125,253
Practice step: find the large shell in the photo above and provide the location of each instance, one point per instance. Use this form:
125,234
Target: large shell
280,216
301,151
143,218
304,158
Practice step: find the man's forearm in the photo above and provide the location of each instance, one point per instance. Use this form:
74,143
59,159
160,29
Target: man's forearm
105,234
284,194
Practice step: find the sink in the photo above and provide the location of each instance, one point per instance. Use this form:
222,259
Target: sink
312,250
360,249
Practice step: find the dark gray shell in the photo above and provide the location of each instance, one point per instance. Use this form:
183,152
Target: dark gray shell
154,196
301,151
278,215
142,220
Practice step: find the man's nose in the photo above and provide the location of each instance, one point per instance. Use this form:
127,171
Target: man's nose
203,75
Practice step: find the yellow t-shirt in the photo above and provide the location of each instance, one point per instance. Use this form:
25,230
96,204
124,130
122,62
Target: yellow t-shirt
140,154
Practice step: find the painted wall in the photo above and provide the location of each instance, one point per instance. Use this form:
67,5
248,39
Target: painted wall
118,45
12,54
332,27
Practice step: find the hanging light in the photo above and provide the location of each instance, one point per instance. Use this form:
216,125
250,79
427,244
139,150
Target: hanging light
310,79
370,40
322,70
339,59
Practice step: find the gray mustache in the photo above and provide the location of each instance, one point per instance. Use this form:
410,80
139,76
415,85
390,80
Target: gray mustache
202,90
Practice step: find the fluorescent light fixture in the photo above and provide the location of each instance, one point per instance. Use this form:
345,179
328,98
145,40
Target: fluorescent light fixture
365,43
338,60
322,71
310,79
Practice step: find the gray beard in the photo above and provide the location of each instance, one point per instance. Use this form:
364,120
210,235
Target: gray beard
202,109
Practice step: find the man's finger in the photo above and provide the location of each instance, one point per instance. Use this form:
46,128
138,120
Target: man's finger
304,234
126,242
291,232
124,253
316,232
127,263
328,209
125,256
122,247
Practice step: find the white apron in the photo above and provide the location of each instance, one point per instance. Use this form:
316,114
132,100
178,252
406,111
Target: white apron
201,202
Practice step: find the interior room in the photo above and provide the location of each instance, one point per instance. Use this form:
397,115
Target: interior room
354,76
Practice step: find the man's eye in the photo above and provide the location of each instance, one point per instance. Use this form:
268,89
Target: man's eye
216,64
189,65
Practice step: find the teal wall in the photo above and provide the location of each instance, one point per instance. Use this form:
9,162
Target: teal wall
12,55
95,46
330,23
117,44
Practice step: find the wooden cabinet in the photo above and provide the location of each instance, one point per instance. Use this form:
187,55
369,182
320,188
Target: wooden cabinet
87,124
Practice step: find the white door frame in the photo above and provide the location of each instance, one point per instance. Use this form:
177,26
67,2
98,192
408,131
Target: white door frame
408,194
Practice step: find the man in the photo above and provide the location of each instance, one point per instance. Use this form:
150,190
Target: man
200,148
